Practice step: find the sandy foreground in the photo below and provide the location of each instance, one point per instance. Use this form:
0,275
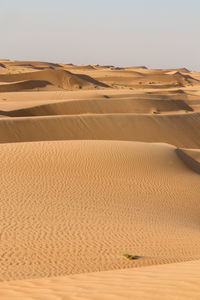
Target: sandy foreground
173,281
98,161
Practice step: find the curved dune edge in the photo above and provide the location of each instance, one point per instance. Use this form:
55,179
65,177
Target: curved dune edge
77,206
61,79
25,86
188,157
164,282
181,130
194,153
73,107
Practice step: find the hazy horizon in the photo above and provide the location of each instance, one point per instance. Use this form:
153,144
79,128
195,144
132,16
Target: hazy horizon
153,33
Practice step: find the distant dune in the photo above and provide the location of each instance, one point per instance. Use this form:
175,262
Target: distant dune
25,85
136,67
148,79
2,65
59,78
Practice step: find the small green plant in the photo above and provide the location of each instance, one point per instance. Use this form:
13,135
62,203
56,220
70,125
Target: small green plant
130,256
186,111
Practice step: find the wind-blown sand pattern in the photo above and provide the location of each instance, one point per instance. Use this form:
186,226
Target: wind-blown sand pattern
97,161
173,281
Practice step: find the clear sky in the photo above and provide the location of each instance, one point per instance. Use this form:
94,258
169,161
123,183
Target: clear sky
155,33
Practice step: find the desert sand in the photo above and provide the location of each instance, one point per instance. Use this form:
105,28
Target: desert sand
99,161
173,281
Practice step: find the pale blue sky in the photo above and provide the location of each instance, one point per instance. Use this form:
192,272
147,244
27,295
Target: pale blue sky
155,33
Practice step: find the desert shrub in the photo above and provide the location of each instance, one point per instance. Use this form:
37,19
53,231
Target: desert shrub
130,256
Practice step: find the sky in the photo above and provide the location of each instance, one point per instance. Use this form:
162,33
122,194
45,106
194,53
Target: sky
154,33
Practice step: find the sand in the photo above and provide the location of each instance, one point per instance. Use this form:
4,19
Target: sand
98,161
179,130
172,281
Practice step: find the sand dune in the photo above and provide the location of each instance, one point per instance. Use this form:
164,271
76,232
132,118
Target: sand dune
173,281
107,75
160,80
182,70
60,78
2,65
77,206
33,64
141,77
136,67
181,130
103,107
85,67
128,101
195,154
98,161
26,85
191,158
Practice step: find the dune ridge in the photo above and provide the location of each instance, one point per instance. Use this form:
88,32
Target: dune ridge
102,107
60,78
24,85
188,157
181,130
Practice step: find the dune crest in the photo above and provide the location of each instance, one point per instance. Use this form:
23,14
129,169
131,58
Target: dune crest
191,158
102,107
60,78
181,130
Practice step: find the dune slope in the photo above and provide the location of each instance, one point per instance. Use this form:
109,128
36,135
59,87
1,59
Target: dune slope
77,206
181,130
25,86
191,158
60,78
102,107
